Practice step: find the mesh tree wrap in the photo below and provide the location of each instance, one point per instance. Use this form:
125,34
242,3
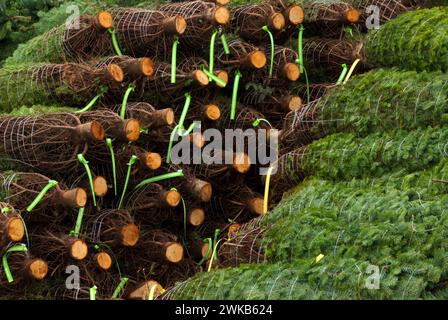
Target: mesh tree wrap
46,142
345,156
394,231
240,53
200,18
143,32
65,84
150,198
284,59
248,21
160,83
328,17
66,42
274,103
388,9
246,245
20,189
316,90
392,100
415,40
329,54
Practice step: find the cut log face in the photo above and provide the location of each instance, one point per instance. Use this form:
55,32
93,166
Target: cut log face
73,198
115,72
103,260
201,78
224,76
222,2
212,112
241,163
256,206
78,250
153,161
38,269
100,186
294,15
222,16
205,250
256,59
132,130
277,21
291,71
293,103
198,139
143,292
352,15
172,198
174,252
147,67
196,217
168,116
105,20
130,234
202,190
91,131
15,229
175,25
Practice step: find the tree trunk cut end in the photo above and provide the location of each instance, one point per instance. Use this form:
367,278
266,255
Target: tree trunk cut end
167,115
277,21
202,190
104,20
130,234
15,229
222,16
352,15
295,15
172,198
197,139
291,71
147,67
38,269
256,206
115,72
174,252
79,250
257,59
91,131
212,112
292,103
103,260
196,217
153,161
201,78
206,251
175,25
222,2
132,130
241,163
224,76
143,292
73,198
100,186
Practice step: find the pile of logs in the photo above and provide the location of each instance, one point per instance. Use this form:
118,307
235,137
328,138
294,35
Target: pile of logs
92,191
